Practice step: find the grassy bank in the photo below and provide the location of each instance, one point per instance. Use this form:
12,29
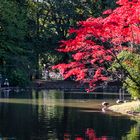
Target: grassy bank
129,108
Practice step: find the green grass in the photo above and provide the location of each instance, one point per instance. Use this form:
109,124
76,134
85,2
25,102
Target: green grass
137,109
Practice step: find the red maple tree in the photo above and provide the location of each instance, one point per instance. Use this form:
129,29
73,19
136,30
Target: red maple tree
97,41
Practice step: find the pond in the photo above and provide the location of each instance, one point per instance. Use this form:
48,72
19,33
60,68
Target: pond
52,115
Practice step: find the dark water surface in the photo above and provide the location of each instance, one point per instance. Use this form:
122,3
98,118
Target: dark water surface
47,115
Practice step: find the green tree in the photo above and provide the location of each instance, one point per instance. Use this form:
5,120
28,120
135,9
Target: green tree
128,62
13,46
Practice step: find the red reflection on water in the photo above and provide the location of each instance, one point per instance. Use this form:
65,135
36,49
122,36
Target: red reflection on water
92,135
89,134
66,136
79,138
104,138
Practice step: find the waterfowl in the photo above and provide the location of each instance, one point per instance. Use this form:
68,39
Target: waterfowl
105,104
119,101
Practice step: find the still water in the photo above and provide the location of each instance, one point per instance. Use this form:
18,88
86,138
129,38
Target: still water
52,115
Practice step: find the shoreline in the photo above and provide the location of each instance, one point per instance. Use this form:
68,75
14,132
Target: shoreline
128,108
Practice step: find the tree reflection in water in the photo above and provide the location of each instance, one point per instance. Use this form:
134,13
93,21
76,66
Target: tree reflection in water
46,115
89,135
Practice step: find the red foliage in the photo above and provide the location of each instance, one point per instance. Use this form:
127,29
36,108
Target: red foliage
99,40
107,12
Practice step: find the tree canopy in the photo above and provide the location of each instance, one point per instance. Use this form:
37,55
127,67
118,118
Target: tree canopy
30,31
98,43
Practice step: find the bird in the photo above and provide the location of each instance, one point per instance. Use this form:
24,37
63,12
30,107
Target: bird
105,104
104,109
119,101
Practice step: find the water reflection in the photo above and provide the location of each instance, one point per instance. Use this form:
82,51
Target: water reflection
134,133
89,135
47,115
